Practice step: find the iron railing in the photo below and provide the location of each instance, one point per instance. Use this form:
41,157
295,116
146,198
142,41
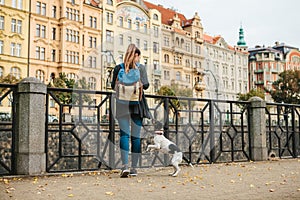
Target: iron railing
206,130
7,128
283,132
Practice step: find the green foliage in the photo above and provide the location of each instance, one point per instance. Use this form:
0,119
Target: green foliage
254,92
70,97
9,79
287,88
176,91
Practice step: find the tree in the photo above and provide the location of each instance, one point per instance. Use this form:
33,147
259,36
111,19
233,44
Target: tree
287,88
9,79
70,97
252,93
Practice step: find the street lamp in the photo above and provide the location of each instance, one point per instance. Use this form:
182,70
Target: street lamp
217,87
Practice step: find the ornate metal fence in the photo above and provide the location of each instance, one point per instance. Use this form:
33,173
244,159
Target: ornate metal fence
7,122
283,132
86,134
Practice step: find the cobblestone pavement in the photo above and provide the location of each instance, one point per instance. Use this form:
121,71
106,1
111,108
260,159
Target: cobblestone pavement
277,179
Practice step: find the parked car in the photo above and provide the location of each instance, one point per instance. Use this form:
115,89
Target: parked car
52,118
5,116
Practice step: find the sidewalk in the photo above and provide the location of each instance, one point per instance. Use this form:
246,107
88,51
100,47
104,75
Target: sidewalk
251,180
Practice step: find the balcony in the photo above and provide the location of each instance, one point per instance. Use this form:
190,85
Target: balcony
258,71
260,82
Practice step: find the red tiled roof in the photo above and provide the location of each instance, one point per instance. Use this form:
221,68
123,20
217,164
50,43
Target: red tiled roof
166,13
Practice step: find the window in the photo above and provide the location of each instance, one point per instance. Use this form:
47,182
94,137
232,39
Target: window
15,71
14,3
13,25
155,65
166,58
20,4
72,57
109,36
109,2
1,46
38,7
1,2
167,41
109,18
92,62
1,22
92,83
178,76
54,11
40,74
137,25
19,26
167,75
121,21
155,17
40,30
43,9
53,55
155,31
40,53
121,39
145,45
53,35
187,78
145,28
18,50
129,23
72,36
93,22
92,42
155,47
129,39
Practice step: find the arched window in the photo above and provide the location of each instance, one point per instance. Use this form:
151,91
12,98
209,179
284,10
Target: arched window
16,72
197,34
155,17
166,58
182,43
40,74
177,42
92,83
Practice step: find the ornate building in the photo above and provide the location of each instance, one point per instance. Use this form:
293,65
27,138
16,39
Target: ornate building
226,68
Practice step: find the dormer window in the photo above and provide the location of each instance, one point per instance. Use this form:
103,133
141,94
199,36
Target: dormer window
155,17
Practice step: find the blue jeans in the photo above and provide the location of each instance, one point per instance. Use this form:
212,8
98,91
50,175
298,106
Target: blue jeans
130,126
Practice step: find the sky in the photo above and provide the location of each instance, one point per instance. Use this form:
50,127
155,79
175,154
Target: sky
264,21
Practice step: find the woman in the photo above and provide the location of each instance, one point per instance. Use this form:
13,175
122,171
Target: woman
130,116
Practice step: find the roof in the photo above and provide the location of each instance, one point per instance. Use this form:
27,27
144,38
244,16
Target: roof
167,14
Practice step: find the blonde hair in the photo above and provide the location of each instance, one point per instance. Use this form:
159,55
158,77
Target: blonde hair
129,60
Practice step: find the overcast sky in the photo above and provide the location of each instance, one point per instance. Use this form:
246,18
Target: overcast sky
264,21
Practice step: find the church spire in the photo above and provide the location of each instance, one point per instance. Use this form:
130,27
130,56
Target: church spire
241,41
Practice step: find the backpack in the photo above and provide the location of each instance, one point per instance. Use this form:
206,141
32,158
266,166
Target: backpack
128,86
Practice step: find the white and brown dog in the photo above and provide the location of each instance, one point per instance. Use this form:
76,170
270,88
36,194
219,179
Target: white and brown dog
162,144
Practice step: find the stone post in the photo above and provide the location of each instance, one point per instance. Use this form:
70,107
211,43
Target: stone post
30,127
258,135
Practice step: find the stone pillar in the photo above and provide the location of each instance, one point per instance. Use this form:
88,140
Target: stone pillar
258,134
30,127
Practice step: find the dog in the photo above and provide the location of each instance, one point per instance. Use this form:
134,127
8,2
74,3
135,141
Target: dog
162,144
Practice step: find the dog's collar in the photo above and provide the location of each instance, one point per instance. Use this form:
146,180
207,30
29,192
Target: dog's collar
159,132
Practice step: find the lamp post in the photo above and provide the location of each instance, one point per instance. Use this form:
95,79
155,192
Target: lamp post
217,87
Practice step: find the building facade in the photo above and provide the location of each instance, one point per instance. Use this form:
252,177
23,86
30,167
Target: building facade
14,41
226,68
